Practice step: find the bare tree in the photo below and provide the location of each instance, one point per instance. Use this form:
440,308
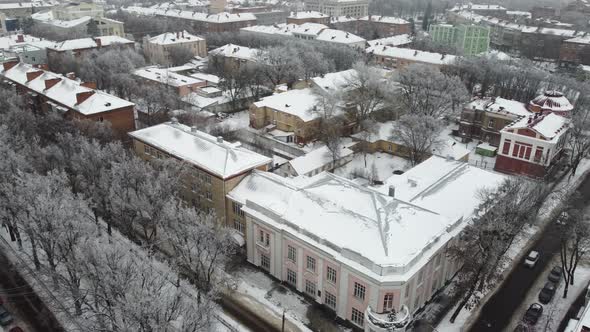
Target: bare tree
365,91
280,64
579,135
179,55
574,245
419,135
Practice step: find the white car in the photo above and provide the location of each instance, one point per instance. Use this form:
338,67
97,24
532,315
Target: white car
531,260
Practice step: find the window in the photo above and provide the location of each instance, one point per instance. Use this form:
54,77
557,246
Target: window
147,149
292,277
331,275
239,225
538,154
491,123
263,238
359,291
207,178
388,302
311,263
292,253
265,262
310,287
237,208
208,195
330,300
357,317
437,260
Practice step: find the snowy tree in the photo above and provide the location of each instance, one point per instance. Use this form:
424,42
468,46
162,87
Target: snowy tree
330,122
155,102
419,135
179,55
579,135
280,64
365,91
427,91
574,244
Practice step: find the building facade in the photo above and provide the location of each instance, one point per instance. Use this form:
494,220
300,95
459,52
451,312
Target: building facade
158,48
375,26
216,166
352,8
308,17
71,11
470,39
180,84
45,91
398,58
575,51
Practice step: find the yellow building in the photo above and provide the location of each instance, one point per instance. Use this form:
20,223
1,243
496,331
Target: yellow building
216,166
158,48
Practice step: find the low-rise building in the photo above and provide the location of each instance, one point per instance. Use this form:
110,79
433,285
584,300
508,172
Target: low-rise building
308,17
575,51
316,161
80,25
158,48
483,119
352,8
375,26
22,10
545,43
233,57
342,38
396,41
372,256
73,10
398,58
47,91
180,84
79,47
216,166
27,48
484,10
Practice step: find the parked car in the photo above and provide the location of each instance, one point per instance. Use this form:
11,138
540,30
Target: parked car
398,172
555,274
533,313
16,329
5,316
547,293
562,218
522,327
532,258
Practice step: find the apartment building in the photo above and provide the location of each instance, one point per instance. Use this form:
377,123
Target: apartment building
575,51
470,39
79,47
308,17
216,166
361,252
158,48
46,91
22,10
398,58
352,8
182,85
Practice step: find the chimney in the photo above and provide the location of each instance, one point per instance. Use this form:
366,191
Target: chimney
31,75
98,42
9,64
71,75
20,38
51,82
89,85
193,129
174,120
391,191
82,96
219,139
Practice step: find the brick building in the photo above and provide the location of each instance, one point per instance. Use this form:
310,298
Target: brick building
375,26
46,91
575,51
308,17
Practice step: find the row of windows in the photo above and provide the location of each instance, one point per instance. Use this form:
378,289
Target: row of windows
311,264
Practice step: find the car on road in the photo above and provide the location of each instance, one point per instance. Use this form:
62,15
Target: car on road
555,274
5,316
531,259
547,293
522,327
533,313
16,329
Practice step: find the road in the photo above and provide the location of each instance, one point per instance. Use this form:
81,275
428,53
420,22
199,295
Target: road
498,310
20,299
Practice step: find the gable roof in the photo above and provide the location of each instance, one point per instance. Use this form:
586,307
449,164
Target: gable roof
296,102
236,51
221,158
414,55
551,126
170,38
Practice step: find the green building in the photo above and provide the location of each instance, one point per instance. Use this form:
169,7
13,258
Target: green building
470,39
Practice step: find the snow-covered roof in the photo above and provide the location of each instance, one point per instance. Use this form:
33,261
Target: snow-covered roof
15,5
193,15
398,40
162,75
283,29
553,31
414,55
317,159
8,42
500,106
221,158
580,40
236,51
170,38
206,77
477,7
339,36
519,13
298,102
309,29
334,81
64,92
437,183
356,224
551,126
307,14
384,19
83,43
554,101
342,19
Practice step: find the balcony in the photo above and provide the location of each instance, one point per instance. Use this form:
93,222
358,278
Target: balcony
395,321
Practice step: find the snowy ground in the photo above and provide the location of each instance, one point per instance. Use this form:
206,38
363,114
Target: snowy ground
237,120
384,163
554,311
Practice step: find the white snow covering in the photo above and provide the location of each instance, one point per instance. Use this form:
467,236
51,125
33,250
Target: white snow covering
299,103
9,42
471,6
16,5
499,105
554,101
580,40
342,19
519,13
236,51
309,29
335,81
163,75
277,29
307,14
398,40
210,78
317,159
64,92
224,159
84,43
550,126
436,183
339,36
48,18
384,19
191,15
171,38
413,55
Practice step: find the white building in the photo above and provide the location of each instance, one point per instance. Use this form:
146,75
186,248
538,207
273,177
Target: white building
361,252
395,57
353,8
316,161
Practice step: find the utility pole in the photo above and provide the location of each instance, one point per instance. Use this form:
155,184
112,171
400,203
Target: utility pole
283,328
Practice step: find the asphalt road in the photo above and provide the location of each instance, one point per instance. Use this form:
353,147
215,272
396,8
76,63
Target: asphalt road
497,312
